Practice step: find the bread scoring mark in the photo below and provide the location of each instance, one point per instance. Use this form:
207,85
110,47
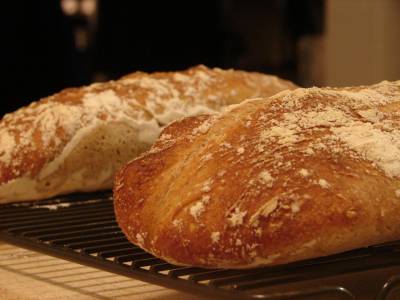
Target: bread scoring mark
264,210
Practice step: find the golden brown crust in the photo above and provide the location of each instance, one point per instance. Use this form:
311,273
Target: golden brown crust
306,173
110,123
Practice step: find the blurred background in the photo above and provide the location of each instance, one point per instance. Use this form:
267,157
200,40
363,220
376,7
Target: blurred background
48,45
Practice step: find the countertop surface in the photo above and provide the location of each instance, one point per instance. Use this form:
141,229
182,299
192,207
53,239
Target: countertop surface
29,275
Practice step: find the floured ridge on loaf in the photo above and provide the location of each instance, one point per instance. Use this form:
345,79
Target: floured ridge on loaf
75,140
303,174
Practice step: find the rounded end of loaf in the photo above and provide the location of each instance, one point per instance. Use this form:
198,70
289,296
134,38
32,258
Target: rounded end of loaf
87,163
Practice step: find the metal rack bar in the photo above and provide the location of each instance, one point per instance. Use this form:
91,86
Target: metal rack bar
82,228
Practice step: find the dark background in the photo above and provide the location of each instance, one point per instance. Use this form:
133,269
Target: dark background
42,49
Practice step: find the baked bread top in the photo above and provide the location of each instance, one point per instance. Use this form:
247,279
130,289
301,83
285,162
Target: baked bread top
169,96
302,174
76,139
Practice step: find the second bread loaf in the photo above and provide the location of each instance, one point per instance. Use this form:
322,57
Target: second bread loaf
75,140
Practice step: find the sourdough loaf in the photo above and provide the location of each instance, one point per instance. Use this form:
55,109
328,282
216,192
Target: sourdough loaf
76,139
303,174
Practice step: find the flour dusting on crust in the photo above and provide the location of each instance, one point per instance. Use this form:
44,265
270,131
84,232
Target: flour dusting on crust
36,140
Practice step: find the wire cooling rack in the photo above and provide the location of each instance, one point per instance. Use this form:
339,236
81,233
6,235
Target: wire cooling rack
82,228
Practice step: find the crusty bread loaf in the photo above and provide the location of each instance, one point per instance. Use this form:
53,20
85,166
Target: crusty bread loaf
303,174
76,139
